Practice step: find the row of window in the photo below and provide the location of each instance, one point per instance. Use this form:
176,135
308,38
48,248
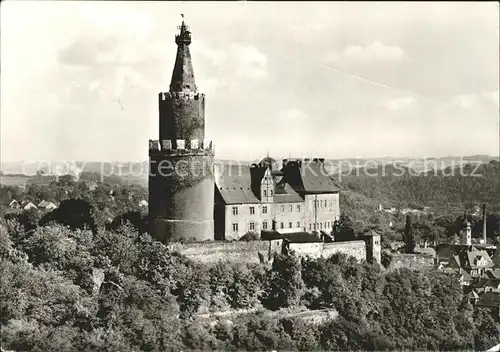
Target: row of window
320,226
264,225
252,210
323,203
264,209
317,204
290,208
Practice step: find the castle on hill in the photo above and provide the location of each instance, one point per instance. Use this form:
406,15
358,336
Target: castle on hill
190,198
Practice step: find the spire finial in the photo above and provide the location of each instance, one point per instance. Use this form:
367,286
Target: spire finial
184,36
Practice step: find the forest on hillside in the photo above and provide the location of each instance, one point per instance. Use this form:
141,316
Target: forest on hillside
447,190
69,289
87,276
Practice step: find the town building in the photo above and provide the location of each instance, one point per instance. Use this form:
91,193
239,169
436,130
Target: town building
14,204
475,260
46,205
299,197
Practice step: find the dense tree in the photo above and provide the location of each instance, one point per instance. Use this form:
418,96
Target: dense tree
343,228
285,283
75,213
409,236
67,285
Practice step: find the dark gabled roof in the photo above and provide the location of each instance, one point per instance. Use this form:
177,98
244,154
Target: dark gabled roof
309,177
270,235
293,237
489,299
240,184
452,249
473,256
301,237
234,184
482,282
316,179
493,273
284,193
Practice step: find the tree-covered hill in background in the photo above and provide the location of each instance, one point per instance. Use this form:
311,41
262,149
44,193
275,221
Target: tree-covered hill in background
460,188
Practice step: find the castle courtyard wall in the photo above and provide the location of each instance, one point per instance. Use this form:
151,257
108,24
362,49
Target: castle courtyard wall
356,249
230,251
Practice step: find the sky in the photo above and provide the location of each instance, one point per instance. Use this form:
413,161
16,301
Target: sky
80,80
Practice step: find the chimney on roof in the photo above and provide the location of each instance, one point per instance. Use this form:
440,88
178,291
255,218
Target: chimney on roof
484,223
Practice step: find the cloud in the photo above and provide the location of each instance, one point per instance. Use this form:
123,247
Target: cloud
252,63
492,96
244,61
471,100
465,101
399,103
374,52
294,115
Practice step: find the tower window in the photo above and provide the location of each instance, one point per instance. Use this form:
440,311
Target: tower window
235,210
265,193
252,210
291,208
290,225
298,223
264,225
270,193
298,208
252,226
235,227
282,225
264,209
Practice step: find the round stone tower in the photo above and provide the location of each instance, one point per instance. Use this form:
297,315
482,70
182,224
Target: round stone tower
181,179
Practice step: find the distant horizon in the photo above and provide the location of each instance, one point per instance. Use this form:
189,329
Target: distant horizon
487,156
